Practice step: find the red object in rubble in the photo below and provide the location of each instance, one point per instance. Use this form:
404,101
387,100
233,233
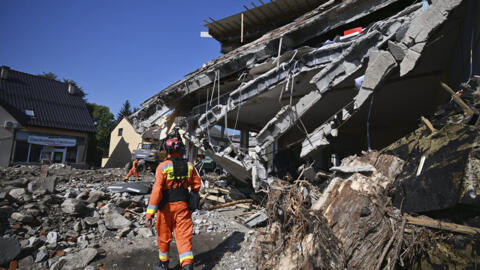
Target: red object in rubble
353,30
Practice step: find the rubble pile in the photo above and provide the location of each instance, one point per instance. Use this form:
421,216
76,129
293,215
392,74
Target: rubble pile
64,220
412,205
59,221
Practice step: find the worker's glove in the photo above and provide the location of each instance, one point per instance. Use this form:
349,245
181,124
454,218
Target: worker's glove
193,201
149,222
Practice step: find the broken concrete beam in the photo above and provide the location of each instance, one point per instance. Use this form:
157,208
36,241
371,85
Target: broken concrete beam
332,75
380,64
256,219
422,27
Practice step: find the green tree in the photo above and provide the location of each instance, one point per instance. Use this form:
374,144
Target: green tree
105,122
125,111
49,75
53,76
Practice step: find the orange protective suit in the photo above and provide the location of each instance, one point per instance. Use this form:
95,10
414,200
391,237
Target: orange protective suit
173,216
133,170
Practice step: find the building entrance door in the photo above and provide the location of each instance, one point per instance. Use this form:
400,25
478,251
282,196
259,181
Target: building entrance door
58,155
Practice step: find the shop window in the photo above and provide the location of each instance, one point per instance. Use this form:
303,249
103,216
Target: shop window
21,151
71,155
120,131
35,151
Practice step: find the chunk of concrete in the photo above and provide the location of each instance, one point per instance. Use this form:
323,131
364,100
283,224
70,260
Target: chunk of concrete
9,250
115,221
257,219
136,187
79,260
74,207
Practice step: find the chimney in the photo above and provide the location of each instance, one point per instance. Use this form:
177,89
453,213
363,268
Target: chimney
72,90
4,72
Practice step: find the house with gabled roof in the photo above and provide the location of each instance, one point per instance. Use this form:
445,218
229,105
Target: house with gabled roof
42,120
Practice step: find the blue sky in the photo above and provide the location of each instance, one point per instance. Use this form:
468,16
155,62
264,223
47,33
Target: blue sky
116,49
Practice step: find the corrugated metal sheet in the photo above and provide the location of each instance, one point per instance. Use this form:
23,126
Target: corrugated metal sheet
49,99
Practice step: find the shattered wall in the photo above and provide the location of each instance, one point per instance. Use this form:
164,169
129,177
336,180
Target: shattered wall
303,92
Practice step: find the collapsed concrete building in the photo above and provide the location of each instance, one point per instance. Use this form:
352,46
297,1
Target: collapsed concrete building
305,93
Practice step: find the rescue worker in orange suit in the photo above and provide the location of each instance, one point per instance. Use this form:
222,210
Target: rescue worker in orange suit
172,202
133,170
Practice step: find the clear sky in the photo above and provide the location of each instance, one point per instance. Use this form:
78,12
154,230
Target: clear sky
116,49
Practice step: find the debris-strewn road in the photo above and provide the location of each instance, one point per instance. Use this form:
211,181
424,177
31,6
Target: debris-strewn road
212,251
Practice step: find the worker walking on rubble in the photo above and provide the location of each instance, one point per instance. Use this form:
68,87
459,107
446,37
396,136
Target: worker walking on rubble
133,170
173,203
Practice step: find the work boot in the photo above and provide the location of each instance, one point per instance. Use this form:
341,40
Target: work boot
161,266
188,267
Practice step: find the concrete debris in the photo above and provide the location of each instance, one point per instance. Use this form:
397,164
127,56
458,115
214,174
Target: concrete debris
137,187
115,221
43,185
9,250
84,214
79,260
17,193
304,93
256,219
73,207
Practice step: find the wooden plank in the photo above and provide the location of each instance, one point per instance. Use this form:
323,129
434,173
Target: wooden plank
241,28
249,12
447,226
213,198
428,124
260,11
457,99
278,7
274,13
288,6
217,24
213,27
230,204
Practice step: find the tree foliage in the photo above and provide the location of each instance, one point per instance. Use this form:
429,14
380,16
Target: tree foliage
105,122
49,75
125,111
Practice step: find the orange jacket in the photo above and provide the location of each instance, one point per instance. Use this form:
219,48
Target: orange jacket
161,183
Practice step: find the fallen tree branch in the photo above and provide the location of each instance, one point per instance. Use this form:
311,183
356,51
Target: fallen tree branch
399,245
385,250
230,204
447,226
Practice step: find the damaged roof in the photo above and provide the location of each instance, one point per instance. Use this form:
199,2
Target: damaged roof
257,20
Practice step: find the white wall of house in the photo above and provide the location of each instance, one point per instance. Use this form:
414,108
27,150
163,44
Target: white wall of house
7,136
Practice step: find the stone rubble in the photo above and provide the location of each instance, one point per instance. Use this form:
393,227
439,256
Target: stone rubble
62,221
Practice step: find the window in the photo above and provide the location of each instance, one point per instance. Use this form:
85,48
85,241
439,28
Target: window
71,155
120,131
21,151
30,113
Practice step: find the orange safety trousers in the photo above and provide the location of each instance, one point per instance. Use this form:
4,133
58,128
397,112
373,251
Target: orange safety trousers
133,170
176,217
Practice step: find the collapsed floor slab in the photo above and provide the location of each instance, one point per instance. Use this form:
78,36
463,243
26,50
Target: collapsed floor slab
294,91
